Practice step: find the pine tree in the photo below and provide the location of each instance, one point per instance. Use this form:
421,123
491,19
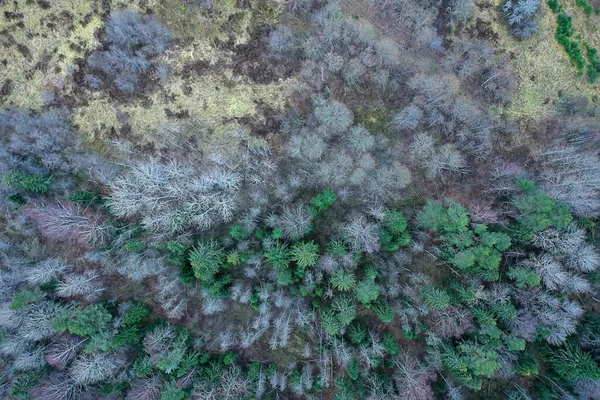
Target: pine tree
384,311
207,260
435,298
343,280
305,254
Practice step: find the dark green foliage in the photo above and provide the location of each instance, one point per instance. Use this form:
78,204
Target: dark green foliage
391,344
278,256
179,256
564,36
17,199
357,332
384,311
538,211
321,202
468,247
524,277
230,358
337,248
24,299
527,364
85,198
452,219
345,309
593,62
24,381
189,362
393,233
49,287
173,392
571,362
136,314
470,362
435,298
171,360
238,232
588,9
330,322
207,260
555,6
135,246
353,369
32,183
88,321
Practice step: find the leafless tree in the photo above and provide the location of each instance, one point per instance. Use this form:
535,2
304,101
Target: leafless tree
171,197
65,221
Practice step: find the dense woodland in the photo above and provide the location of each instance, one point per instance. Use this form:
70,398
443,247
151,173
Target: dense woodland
301,199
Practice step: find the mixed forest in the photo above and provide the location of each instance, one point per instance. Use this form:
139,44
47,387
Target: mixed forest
299,199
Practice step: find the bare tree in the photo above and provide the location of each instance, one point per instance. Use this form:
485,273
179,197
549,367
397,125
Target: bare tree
146,389
573,176
88,285
171,197
63,350
93,368
45,271
65,221
363,235
413,381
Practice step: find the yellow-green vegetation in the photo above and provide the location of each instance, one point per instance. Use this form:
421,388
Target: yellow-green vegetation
41,40
212,102
223,22
543,69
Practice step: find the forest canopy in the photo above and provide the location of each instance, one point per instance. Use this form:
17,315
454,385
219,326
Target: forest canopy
302,199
